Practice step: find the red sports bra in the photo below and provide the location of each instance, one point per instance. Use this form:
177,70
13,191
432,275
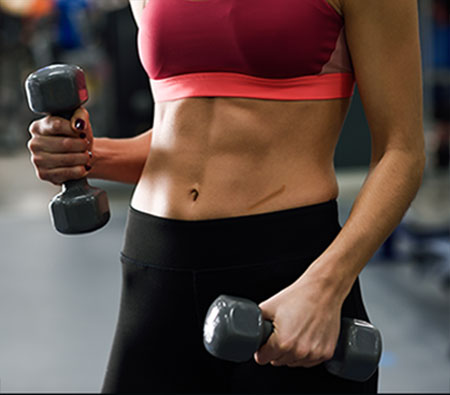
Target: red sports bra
266,49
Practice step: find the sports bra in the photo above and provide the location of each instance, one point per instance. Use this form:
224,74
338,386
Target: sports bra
266,49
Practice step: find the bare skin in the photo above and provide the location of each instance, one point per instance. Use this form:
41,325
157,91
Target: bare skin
240,156
221,157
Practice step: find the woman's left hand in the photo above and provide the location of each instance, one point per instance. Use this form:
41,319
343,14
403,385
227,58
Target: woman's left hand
306,318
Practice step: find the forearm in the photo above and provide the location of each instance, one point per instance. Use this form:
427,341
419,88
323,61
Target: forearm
379,207
120,160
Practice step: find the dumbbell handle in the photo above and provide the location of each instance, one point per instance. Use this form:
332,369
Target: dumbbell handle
78,186
65,114
74,188
267,331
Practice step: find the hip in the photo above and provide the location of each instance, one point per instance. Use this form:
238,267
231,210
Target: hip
301,232
252,256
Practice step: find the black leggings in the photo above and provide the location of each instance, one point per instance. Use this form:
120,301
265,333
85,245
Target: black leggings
173,270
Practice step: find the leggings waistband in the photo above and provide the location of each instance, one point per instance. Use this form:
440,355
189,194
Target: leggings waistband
226,242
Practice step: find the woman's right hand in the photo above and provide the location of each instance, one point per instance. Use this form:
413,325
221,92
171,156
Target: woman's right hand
61,149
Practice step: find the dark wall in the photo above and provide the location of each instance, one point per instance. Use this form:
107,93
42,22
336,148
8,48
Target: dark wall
353,149
133,101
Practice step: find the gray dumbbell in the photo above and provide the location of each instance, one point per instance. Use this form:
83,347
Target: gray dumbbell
234,329
59,90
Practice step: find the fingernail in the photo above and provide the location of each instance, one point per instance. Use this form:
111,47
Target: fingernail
83,135
79,124
87,167
90,154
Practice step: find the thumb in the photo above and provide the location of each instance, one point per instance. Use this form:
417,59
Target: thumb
80,122
267,309
267,350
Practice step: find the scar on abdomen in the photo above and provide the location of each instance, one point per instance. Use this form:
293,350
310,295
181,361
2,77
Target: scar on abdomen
267,198
194,194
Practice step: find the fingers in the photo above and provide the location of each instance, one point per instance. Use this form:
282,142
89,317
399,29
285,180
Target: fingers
271,350
55,144
294,352
61,149
60,175
80,124
52,161
304,356
52,126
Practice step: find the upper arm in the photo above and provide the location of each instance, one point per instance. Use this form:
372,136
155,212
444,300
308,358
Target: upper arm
383,40
137,6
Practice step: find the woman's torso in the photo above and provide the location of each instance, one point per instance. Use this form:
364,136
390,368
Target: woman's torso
215,157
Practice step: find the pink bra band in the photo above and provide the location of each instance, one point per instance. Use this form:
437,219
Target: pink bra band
211,84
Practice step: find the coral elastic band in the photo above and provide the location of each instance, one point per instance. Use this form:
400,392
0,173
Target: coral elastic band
212,84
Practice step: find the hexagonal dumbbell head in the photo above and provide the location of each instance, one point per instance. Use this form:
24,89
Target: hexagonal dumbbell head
234,329
358,350
79,208
57,89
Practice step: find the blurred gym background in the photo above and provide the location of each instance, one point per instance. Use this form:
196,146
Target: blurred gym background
59,296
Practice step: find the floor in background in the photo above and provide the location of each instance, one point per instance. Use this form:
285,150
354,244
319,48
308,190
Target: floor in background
59,299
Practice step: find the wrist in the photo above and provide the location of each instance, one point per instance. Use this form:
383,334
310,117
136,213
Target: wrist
120,160
100,154
332,276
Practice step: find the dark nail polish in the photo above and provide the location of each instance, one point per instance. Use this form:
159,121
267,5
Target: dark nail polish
87,167
83,135
79,124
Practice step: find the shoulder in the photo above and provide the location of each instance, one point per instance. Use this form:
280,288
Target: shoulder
370,6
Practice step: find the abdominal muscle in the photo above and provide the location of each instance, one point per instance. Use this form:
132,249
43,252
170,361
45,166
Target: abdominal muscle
227,157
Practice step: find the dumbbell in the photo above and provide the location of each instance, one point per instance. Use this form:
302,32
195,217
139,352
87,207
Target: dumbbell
234,329
59,90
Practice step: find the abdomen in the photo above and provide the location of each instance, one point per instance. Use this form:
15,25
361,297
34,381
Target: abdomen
213,158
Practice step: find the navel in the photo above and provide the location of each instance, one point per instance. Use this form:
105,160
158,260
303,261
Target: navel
194,194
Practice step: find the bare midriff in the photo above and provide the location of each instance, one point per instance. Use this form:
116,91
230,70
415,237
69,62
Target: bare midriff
227,157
